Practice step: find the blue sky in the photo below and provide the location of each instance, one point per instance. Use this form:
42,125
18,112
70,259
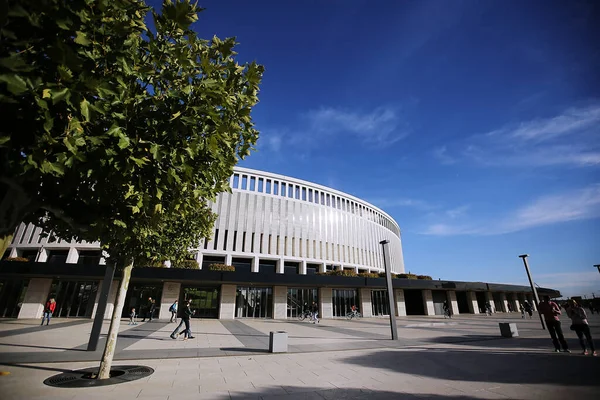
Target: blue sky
474,124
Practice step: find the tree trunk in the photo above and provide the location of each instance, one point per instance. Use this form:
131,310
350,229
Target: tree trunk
4,243
115,323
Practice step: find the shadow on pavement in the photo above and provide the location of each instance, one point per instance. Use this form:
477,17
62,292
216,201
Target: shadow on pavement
335,394
35,367
244,350
488,366
495,341
40,347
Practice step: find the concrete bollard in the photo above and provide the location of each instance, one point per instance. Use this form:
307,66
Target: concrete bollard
278,342
508,329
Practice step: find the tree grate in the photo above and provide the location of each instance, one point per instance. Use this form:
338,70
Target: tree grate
85,377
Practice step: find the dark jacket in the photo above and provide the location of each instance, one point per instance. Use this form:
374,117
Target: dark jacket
187,313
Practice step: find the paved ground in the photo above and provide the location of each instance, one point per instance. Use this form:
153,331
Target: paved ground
463,358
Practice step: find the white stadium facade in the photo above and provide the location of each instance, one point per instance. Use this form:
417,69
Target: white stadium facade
281,234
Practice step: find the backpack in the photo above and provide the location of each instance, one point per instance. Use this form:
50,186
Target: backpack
172,308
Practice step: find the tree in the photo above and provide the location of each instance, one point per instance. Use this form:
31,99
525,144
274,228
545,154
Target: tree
116,133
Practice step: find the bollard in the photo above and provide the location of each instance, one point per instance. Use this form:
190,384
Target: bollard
278,342
508,329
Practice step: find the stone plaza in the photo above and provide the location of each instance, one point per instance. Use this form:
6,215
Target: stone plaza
460,358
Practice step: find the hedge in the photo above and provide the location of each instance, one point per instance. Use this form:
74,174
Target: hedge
424,277
221,267
340,273
186,264
368,275
18,259
407,276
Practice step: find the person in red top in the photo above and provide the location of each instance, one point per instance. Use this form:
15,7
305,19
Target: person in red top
550,310
48,311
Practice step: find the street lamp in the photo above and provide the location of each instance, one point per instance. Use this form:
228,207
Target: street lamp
597,266
388,280
535,295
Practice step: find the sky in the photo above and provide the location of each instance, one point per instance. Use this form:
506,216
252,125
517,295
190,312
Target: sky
475,125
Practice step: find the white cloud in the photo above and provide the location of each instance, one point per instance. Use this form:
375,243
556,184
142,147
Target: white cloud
441,154
576,283
394,202
457,212
551,209
382,126
569,138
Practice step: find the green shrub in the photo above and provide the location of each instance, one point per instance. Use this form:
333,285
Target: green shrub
424,277
407,276
18,259
221,267
186,264
369,275
339,273
382,275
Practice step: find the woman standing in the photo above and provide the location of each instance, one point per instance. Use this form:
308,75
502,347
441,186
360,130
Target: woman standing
48,311
580,326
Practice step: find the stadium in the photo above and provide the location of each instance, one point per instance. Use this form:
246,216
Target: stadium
291,242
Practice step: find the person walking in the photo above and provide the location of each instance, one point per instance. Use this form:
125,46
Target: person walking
522,309
48,311
550,311
185,319
314,312
150,306
528,309
488,308
447,312
173,310
580,326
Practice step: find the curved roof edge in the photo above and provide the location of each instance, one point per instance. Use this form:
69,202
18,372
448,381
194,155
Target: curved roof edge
317,186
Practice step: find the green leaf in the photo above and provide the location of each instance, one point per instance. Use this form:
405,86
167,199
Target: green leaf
46,94
48,124
158,208
123,141
59,95
120,223
4,139
139,161
177,114
82,39
15,84
80,142
85,111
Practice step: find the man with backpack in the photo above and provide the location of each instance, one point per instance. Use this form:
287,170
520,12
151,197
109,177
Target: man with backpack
173,310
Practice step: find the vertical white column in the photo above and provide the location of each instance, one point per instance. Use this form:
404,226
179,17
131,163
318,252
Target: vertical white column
451,296
110,302
428,302
35,298
280,266
400,303
227,306
228,259
303,267
170,293
199,258
42,255
472,301
280,302
13,252
325,303
504,302
322,268
72,256
254,267
365,302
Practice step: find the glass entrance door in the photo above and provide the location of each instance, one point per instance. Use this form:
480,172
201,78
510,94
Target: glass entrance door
74,298
343,300
380,304
298,299
205,301
254,302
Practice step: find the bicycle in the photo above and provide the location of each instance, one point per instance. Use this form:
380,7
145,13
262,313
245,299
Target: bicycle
353,314
304,314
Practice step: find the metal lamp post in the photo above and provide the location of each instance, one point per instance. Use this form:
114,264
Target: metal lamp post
535,295
388,280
